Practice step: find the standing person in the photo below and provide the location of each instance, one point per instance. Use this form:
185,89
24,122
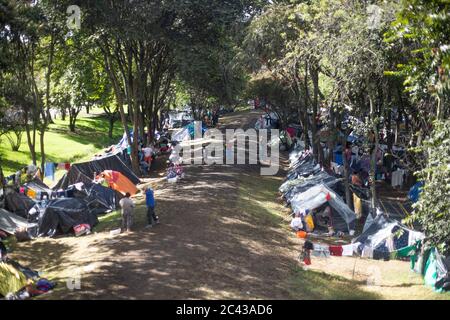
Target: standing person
150,201
127,206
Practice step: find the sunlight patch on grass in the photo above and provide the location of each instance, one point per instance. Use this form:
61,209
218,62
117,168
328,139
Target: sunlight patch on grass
61,145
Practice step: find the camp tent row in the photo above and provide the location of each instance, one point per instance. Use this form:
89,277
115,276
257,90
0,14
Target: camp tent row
308,187
75,201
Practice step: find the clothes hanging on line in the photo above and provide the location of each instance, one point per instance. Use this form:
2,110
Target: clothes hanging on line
49,170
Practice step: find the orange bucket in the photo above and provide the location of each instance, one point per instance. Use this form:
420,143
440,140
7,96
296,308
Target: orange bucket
302,235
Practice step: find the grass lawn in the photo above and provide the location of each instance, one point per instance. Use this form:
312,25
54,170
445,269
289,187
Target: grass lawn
61,145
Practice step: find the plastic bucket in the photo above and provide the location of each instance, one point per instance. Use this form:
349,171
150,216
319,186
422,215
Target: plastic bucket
302,235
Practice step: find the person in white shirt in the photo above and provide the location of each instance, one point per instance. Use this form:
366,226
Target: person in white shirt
297,223
127,206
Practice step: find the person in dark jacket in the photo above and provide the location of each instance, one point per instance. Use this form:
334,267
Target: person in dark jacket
151,204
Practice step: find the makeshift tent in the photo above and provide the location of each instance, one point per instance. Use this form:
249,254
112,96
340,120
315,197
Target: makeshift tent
343,217
86,172
119,182
385,235
62,215
9,222
18,203
101,199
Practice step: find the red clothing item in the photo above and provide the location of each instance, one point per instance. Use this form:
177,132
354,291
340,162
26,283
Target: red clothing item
291,132
67,166
336,251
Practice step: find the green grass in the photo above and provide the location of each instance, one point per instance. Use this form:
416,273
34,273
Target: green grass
256,198
61,145
312,285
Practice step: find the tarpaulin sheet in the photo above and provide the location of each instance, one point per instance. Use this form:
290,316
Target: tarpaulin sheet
18,203
310,182
9,222
105,197
377,230
86,172
61,215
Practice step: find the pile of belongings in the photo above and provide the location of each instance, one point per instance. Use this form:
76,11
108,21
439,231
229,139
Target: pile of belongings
37,190
175,172
20,283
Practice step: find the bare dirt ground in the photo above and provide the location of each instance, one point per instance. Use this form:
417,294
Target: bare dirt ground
223,236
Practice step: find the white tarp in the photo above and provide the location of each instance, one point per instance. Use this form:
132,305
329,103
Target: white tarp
316,197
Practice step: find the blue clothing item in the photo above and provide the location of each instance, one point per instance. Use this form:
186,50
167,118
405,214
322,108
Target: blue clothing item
50,170
150,198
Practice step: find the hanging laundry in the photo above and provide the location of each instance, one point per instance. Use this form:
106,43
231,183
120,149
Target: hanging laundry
322,251
61,166
406,252
367,252
49,170
347,251
358,206
397,178
336,251
67,166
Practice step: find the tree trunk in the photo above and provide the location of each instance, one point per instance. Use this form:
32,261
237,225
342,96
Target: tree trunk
31,143
348,194
112,119
317,150
373,160
63,114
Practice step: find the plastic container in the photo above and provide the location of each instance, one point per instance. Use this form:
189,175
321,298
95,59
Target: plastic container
302,235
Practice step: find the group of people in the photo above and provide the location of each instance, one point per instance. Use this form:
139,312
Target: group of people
128,205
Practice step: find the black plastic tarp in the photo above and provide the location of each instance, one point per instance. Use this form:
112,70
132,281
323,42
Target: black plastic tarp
85,172
61,215
9,222
101,199
18,203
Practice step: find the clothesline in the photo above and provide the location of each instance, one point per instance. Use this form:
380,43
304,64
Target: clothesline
325,251
49,171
